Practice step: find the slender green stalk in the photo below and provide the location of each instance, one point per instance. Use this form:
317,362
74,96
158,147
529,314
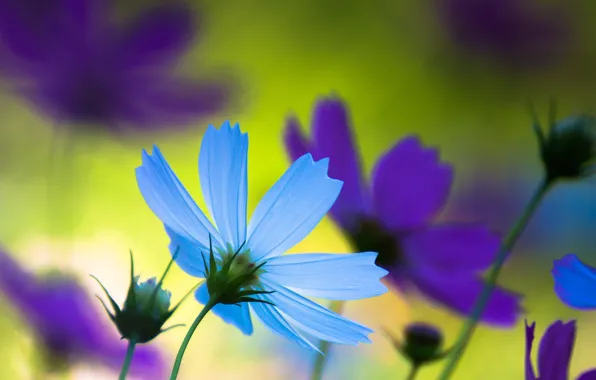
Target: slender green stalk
128,360
324,347
413,372
491,280
208,306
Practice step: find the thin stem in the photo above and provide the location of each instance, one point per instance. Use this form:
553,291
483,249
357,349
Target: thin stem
413,372
491,280
128,360
208,306
324,347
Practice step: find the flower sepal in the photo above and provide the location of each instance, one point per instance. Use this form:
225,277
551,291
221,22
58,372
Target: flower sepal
146,307
233,278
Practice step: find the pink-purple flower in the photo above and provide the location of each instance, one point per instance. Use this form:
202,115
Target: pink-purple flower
67,324
554,353
80,66
394,215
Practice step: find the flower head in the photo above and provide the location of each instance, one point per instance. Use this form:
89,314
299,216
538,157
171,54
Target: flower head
146,308
78,66
394,216
554,354
568,151
285,215
66,323
575,282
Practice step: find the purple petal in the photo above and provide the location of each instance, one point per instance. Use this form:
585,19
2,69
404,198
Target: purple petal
554,353
166,102
332,137
459,293
410,185
575,282
452,248
529,341
296,142
16,285
158,37
25,32
588,375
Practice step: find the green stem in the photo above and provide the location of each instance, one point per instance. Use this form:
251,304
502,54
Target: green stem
324,347
491,280
413,372
128,360
208,306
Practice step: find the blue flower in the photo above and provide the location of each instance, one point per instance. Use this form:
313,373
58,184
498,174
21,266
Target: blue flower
288,212
77,65
575,282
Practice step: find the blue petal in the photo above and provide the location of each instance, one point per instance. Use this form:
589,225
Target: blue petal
314,319
170,201
575,282
292,208
238,316
275,322
332,276
190,253
222,168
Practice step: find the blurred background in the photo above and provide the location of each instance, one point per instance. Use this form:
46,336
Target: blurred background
459,73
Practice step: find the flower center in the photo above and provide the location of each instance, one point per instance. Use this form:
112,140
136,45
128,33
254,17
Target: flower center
241,265
369,235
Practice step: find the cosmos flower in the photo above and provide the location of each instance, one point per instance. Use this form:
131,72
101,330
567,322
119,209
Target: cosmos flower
507,31
575,282
67,324
287,213
554,354
78,66
394,216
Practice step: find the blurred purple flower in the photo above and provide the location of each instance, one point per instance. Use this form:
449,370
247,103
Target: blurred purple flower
509,31
77,65
394,216
67,324
554,353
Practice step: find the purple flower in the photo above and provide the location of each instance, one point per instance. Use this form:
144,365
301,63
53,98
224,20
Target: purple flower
67,324
77,65
554,353
509,31
394,216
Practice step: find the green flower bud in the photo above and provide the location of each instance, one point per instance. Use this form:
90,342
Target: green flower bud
145,310
569,149
422,344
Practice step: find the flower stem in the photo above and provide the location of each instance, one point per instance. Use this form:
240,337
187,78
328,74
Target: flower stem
208,306
491,280
128,360
413,372
324,347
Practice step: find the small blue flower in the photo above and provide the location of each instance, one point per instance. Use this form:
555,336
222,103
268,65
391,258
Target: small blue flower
286,215
575,282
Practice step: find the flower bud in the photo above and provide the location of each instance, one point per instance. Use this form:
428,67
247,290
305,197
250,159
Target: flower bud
569,148
146,308
422,344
